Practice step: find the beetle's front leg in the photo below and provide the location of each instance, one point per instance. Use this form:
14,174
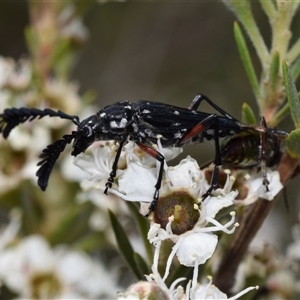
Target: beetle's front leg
158,156
113,172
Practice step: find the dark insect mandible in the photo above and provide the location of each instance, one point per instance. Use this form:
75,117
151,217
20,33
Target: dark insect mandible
142,122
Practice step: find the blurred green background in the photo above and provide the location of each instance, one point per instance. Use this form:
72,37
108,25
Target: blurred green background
159,51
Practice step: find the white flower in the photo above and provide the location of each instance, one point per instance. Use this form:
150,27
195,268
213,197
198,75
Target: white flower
210,291
137,182
6,69
144,290
8,233
72,25
20,76
156,288
63,95
136,173
256,189
282,284
193,247
23,166
99,165
187,174
33,270
196,248
196,245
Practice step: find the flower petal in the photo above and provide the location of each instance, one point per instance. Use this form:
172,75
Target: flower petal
258,190
214,204
188,175
196,246
137,182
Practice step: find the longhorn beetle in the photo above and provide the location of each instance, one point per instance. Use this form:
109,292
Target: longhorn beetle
143,122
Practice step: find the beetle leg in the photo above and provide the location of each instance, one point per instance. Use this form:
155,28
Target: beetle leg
197,129
263,151
200,127
199,98
158,156
113,172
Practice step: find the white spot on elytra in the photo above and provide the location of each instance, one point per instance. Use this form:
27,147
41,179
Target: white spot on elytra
135,127
113,124
210,131
121,124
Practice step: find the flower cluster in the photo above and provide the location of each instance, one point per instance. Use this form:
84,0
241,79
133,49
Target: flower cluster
32,269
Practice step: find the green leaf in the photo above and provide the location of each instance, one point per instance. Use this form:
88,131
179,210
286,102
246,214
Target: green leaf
141,263
269,8
293,144
242,9
295,68
248,116
292,94
124,245
245,56
143,225
274,71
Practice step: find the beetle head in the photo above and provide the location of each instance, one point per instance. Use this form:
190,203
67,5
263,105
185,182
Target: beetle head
85,135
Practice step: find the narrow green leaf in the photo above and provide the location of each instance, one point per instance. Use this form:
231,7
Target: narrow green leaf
269,8
141,263
274,71
292,94
295,68
248,116
242,9
124,245
143,225
245,56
